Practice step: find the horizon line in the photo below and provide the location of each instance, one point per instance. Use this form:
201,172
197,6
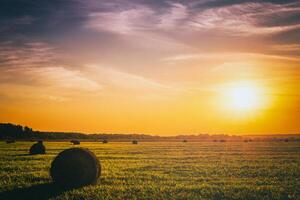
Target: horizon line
160,135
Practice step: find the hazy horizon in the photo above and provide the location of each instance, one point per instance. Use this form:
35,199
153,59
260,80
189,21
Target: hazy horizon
160,135
151,67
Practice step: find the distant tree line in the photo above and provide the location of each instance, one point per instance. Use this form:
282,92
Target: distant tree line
15,131
12,131
18,132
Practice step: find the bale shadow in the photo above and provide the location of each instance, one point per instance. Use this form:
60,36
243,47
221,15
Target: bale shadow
28,155
25,154
35,192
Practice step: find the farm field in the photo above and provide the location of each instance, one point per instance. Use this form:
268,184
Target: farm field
161,170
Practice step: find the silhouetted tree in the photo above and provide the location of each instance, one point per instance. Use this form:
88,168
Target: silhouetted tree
16,132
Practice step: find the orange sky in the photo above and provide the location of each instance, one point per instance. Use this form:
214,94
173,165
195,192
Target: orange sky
158,69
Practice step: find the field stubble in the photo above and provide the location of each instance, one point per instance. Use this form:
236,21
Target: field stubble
161,170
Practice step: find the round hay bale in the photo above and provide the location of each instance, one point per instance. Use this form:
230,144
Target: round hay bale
134,142
184,141
75,167
37,148
105,141
75,142
10,141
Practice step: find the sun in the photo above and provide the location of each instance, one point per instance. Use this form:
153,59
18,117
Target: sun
243,96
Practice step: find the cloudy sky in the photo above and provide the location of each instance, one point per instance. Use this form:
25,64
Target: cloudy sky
150,66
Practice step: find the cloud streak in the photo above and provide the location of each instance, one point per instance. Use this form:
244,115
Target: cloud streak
239,19
125,22
244,19
29,54
229,55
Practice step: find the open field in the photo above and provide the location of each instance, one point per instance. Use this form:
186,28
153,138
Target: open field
161,170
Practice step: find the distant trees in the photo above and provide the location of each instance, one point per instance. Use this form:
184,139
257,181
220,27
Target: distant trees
9,141
10,131
15,131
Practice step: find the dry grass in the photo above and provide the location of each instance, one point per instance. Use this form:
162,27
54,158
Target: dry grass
162,170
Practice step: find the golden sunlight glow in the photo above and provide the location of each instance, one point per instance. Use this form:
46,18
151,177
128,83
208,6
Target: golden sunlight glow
243,96
152,67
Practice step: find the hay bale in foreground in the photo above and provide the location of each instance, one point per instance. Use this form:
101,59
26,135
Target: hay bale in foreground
135,142
37,148
75,142
75,167
105,141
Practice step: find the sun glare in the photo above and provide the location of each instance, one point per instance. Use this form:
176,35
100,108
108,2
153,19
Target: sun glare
243,96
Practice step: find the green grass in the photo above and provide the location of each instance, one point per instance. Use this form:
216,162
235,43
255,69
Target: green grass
161,170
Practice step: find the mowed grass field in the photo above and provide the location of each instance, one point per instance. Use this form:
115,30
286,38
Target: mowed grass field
161,170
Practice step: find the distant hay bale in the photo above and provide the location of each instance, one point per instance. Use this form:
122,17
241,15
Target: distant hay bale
10,141
184,141
245,140
215,140
222,140
75,142
104,141
75,167
37,148
286,140
135,142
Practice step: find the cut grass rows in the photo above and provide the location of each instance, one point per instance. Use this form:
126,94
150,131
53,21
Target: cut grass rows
162,170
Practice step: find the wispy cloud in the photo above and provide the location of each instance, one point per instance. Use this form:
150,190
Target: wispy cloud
142,25
129,21
56,98
29,54
239,19
227,55
125,81
138,19
49,77
243,19
287,47
173,16
39,64
65,78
